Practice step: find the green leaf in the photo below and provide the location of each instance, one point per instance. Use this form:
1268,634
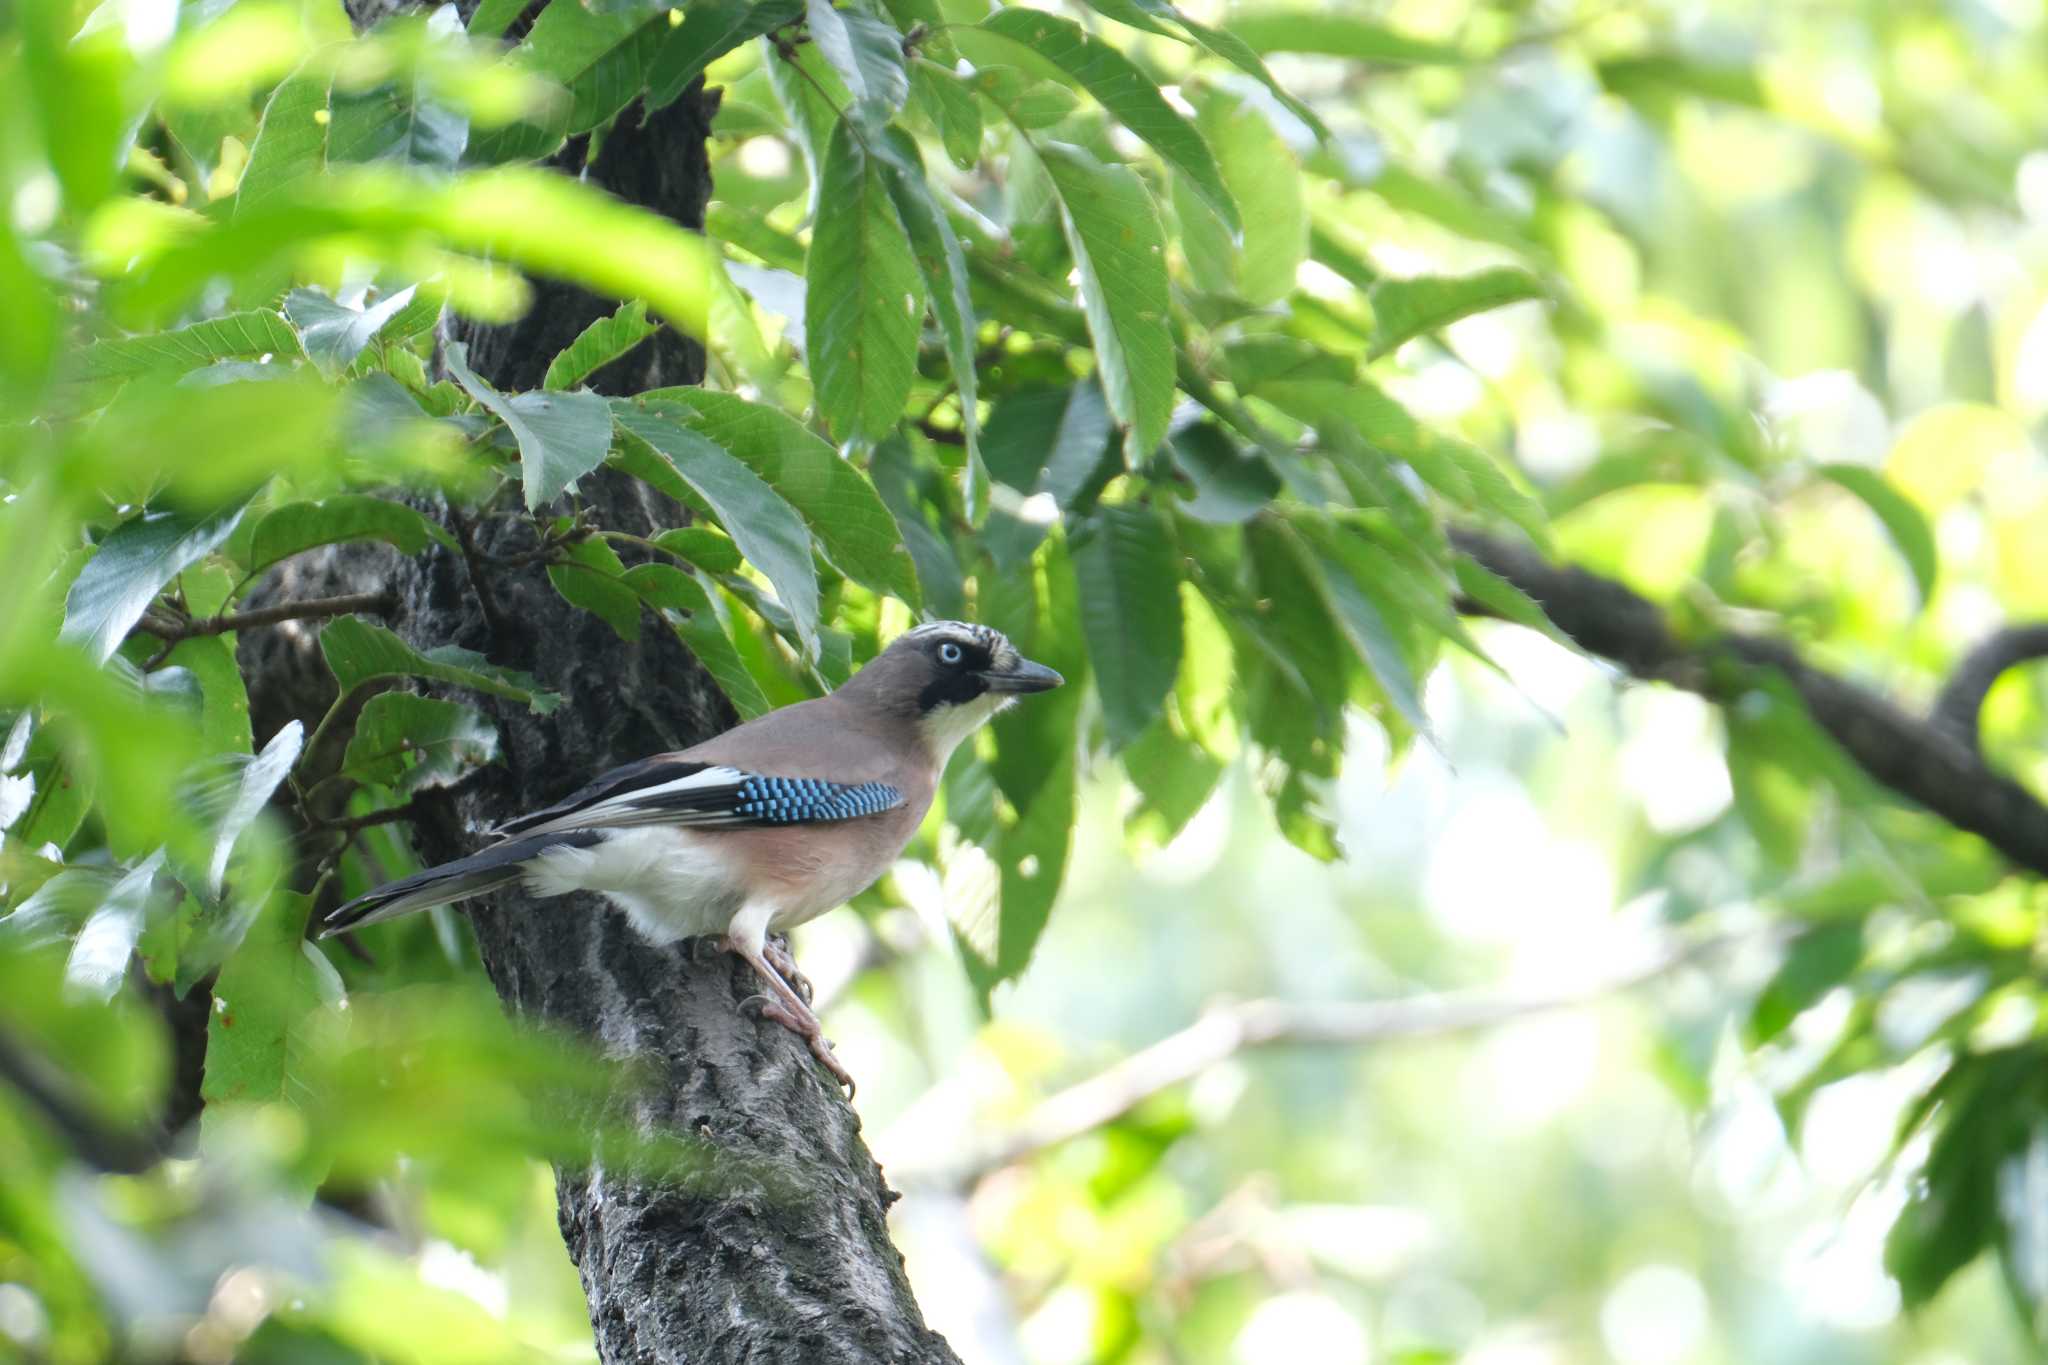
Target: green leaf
1038,39
1404,309
601,59
397,123
334,334
703,547
291,141
361,652
863,298
710,29
1353,607
1902,520
106,941
1335,34
1120,256
1817,962
766,528
1233,49
1231,484
300,526
944,265
588,577
255,779
837,502
690,609
868,55
1053,441
137,560
410,743
1259,266
561,436
949,103
599,344
1129,579
238,336
1034,857
263,1003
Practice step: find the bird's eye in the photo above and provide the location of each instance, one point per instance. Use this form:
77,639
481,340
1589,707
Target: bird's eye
949,653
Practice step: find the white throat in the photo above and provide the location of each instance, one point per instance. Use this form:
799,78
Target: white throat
945,727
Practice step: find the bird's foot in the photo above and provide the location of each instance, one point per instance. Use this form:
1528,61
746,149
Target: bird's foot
806,1027
776,950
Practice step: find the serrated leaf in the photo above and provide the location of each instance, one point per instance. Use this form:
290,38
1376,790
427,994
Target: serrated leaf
944,264
599,344
106,941
334,334
359,652
710,29
1902,520
864,297
256,1031
136,561
766,528
254,780
588,577
837,502
1053,441
561,436
300,526
949,103
1336,34
687,606
1119,253
291,141
1259,264
868,55
1040,39
238,336
1404,309
1124,564
410,743
1365,625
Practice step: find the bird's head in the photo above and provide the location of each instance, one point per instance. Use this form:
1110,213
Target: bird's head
949,677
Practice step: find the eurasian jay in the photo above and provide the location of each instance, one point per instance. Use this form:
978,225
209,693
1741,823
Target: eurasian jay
764,827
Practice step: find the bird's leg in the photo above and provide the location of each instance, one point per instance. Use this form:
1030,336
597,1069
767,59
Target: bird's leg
776,950
788,1009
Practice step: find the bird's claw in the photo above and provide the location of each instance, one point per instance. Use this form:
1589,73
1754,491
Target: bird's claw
779,957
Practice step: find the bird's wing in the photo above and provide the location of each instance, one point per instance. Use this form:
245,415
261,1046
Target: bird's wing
671,790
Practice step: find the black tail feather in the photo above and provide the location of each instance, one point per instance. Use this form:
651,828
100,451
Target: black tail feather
498,865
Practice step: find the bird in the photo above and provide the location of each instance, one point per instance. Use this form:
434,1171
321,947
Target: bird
759,829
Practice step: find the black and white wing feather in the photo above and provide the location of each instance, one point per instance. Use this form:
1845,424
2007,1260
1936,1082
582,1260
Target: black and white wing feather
674,791
654,791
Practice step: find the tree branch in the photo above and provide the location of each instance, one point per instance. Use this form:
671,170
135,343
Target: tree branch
165,628
1227,1030
96,1139
1922,760
1956,709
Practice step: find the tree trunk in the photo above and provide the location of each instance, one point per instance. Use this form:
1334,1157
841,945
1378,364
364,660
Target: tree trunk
782,1252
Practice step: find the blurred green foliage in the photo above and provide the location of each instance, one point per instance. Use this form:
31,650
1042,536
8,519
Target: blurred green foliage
1169,340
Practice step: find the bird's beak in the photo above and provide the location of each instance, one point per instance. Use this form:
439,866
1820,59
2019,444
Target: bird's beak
1022,676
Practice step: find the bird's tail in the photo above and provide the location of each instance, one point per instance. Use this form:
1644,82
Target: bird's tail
499,865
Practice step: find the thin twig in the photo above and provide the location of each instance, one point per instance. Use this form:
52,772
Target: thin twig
165,628
411,810
1957,709
96,1139
1230,1029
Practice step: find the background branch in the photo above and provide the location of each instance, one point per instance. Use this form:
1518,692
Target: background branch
1921,759
1956,710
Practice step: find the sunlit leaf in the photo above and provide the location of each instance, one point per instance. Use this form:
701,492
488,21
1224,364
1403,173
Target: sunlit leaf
766,528
561,436
599,344
300,526
410,743
334,334
1130,614
1405,309
710,29
360,652
1902,519
1335,34
864,296
1037,39
1120,255
239,336
137,560
868,55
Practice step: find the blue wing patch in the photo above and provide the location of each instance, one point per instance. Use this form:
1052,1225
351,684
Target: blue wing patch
804,800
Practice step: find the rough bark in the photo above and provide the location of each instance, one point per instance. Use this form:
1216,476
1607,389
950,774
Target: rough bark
780,1251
